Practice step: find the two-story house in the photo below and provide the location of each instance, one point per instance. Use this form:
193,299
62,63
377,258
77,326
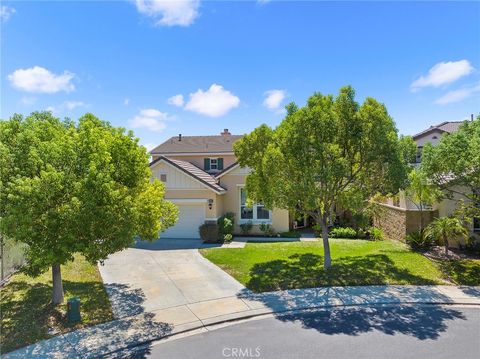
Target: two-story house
402,216
203,178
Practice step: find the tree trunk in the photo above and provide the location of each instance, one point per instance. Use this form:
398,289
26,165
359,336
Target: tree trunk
421,218
327,259
57,295
445,243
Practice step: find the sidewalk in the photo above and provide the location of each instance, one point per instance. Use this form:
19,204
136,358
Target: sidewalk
131,331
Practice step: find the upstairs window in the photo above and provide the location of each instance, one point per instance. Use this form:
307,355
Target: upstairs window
213,164
163,177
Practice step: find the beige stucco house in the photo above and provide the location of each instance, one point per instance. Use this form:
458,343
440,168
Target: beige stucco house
203,178
401,215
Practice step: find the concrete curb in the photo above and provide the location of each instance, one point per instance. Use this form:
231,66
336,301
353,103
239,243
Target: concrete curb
129,332
259,313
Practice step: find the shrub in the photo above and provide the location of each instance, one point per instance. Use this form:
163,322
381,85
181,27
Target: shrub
267,230
290,234
343,232
376,234
246,227
209,232
228,238
225,225
419,240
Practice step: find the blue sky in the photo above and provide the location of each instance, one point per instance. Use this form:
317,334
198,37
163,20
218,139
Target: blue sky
236,64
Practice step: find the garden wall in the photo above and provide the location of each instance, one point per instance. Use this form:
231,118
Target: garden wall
397,222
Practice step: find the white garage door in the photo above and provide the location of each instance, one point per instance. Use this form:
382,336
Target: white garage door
191,216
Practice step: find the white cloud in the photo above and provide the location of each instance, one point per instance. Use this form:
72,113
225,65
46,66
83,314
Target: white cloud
40,80
66,106
214,102
151,119
458,95
52,109
169,12
176,100
126,101
273,98
71,105
149,146
443,73
28,100
6,12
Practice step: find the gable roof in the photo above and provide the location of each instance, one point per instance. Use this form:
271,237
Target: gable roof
447,126
227,169
194,172
197,144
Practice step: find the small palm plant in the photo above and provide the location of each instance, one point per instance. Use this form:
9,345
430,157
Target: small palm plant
445,228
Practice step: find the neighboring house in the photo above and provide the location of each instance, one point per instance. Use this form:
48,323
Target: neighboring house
202,177
401,215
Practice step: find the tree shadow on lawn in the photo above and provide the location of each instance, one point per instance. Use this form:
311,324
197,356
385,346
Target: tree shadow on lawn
383,312
28,314
462,272
32,318
306,271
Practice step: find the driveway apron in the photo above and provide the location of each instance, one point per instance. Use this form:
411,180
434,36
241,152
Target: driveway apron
163,274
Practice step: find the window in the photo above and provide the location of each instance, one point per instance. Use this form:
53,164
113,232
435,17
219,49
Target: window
419,154
214,163
163,177
257,213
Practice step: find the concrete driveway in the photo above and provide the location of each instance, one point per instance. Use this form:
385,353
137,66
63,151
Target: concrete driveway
165,274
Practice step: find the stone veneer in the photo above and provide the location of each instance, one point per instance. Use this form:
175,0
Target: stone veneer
397,222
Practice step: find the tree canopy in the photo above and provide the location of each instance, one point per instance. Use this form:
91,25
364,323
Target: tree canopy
71,188
330,153
455,161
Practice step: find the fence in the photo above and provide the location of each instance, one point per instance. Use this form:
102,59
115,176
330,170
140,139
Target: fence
11,256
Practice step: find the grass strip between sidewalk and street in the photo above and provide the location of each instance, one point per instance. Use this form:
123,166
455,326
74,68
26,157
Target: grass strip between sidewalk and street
28,315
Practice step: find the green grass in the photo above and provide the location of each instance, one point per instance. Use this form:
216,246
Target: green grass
276,266
463,271
28,315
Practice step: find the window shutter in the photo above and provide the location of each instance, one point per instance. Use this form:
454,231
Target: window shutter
206,164
220,163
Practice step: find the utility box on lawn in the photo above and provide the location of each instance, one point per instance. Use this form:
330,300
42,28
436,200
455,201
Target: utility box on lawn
73,310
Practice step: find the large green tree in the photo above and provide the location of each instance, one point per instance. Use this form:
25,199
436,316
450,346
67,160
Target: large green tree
421,192
454,164
331,153
71,188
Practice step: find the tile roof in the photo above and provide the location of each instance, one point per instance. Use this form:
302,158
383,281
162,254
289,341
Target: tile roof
194,172
447,126
197,144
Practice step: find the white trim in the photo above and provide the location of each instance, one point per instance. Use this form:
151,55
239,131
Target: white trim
185,174
254,220
227,171
212,218
192,154
187,200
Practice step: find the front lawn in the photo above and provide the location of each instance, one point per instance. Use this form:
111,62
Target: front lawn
275,266
28,316
462,271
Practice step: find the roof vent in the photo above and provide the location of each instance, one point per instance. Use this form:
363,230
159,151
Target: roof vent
225,132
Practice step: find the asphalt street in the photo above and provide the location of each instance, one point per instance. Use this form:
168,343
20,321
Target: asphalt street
421,331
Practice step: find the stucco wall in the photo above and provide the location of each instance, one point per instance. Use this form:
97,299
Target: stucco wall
231,203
